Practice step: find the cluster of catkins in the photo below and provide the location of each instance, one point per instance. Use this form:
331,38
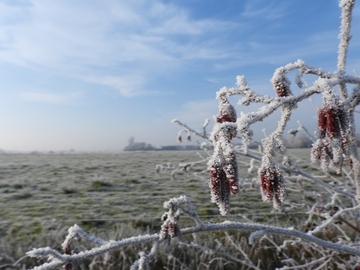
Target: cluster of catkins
223,166
170,228
332,145
272,182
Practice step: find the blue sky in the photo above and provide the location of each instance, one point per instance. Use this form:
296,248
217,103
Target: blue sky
90,74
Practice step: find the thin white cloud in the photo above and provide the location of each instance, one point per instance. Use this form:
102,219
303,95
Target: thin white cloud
49,97
173,20
126,85
259,9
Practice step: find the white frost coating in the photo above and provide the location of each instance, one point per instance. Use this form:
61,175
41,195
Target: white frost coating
176,201
207,121
255,235
43,252
344,36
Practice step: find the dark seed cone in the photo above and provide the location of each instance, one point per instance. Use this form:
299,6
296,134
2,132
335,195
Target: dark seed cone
321,129
332,124
272,185
220,190
282,88
227,113
169,228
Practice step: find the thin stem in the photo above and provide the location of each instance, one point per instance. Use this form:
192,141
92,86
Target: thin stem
344,36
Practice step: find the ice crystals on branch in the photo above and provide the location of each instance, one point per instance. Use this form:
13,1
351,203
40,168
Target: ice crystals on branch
222,165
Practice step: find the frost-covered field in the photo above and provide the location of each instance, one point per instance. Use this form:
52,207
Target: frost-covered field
41,195
89,186
101,186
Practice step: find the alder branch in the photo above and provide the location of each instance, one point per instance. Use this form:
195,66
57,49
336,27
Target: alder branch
57,259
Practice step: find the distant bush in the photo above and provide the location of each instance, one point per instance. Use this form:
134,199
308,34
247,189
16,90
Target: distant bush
299,140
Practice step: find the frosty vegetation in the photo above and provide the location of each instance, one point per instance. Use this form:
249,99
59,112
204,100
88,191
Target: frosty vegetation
333,149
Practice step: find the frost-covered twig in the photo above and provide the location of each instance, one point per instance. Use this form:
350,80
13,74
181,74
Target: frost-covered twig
190,130
58,259
306,265
344,36
301,126
175,205
330,219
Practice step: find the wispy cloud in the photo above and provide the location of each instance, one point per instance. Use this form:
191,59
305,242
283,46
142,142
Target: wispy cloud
126,85
74,38
50,97
270,10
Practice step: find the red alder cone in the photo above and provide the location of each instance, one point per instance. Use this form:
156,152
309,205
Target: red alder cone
216,177
282,88
220,189
227,113
332,146
332,123
272,185
321,123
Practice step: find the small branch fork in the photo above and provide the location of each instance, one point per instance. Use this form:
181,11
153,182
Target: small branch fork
183,205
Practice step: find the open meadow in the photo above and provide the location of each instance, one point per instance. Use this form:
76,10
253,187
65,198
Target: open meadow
118,195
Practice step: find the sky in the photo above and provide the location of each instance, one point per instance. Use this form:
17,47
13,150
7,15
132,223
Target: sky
87,75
